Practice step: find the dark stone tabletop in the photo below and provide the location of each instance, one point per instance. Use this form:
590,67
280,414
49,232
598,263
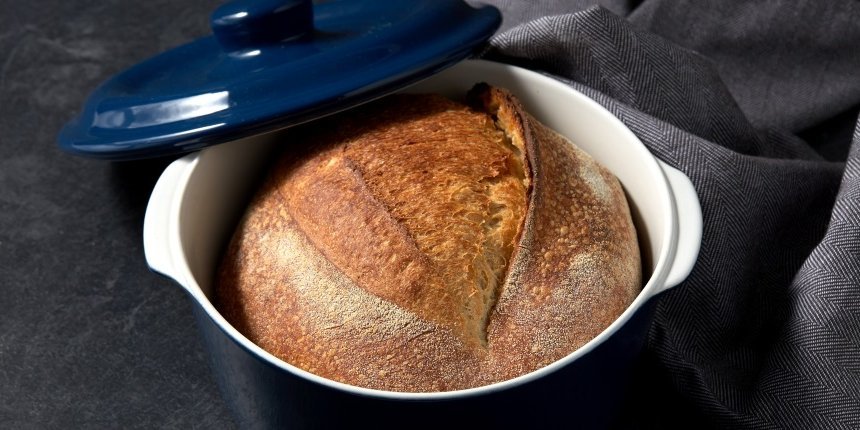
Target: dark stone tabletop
89,337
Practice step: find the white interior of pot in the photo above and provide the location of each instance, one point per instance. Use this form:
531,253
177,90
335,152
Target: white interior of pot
221,179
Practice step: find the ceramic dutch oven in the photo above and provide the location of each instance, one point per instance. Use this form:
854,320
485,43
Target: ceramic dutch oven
151,110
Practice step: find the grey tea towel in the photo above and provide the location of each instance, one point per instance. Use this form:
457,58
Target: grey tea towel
757,102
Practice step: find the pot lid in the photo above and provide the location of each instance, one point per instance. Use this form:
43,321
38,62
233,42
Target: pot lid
270,64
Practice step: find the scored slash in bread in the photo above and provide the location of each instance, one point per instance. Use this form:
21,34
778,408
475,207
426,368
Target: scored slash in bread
417,244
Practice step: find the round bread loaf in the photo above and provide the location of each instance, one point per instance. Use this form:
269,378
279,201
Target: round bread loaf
418,244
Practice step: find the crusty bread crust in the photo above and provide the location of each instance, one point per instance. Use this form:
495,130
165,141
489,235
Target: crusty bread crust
421,245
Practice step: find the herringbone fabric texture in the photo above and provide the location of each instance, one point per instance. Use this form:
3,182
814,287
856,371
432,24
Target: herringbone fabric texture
755,102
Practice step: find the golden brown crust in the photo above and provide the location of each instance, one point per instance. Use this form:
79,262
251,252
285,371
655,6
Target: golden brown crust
420,245
577,267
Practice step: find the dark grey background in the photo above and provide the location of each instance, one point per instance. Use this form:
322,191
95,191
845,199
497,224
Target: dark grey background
763,334
88,336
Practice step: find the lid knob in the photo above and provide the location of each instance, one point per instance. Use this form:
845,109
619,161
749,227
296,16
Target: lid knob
243,25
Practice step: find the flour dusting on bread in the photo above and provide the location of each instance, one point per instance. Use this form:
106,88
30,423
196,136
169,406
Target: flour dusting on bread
419,244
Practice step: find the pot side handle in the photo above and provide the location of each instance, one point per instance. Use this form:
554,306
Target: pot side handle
689,213
157,237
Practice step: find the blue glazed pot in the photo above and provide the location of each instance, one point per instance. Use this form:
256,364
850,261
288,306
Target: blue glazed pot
199,198
270,64
587,393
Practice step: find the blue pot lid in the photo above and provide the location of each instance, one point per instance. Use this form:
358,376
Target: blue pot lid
270,64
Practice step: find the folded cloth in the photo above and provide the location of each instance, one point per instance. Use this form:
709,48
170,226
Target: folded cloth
756,102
